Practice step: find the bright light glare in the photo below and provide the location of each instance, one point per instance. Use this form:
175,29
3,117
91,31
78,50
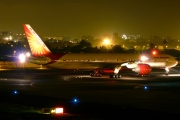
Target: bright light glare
124,37
22,58
28,54
58,110
144,58
106,42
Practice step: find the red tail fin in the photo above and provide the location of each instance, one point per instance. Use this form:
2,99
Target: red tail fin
37,46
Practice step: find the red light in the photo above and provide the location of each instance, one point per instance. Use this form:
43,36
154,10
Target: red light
58,110
154,52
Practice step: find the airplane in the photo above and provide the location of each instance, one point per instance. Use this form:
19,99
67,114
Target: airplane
100,63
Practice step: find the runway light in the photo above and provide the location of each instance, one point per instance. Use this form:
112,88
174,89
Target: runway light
15,92
75,100
145,87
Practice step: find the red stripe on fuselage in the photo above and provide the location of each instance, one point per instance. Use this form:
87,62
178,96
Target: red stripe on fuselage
54,57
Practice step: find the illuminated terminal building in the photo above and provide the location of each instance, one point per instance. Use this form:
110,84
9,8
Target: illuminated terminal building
63,38
127,37
6,35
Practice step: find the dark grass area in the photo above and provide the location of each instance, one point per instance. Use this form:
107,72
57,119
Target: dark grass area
28,107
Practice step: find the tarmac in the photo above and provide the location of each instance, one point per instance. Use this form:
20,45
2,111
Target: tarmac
25,92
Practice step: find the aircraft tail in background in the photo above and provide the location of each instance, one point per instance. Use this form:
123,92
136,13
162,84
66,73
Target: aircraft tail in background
37,46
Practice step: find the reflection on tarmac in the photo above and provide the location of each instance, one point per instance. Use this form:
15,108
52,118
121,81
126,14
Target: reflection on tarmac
178,75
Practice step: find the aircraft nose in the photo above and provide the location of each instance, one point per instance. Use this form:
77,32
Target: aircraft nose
176,62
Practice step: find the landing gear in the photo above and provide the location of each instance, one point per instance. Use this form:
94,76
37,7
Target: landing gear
146,75
167,71
96,74
115,76
116,71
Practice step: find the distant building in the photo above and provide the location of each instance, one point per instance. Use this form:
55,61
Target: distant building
132,37
54,38
6,36
64,38
19,37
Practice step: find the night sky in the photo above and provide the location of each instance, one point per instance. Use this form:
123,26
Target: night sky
76,18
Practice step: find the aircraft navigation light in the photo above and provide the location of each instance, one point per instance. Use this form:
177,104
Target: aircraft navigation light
154,52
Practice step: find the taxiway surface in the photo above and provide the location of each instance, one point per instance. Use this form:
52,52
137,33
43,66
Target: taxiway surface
157,95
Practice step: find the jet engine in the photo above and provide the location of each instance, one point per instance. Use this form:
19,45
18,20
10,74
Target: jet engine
108,70
142,69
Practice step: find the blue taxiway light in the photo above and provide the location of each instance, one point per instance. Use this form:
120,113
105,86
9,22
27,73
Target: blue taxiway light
75,100
15,92
145,87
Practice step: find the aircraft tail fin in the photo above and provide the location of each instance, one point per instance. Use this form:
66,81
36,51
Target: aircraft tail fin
37,46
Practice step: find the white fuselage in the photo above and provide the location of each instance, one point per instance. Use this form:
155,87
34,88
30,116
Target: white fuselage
103,60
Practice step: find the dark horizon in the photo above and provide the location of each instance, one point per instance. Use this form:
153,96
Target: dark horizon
96,18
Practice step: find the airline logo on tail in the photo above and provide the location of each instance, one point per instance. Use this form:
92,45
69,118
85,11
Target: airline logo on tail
37,46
